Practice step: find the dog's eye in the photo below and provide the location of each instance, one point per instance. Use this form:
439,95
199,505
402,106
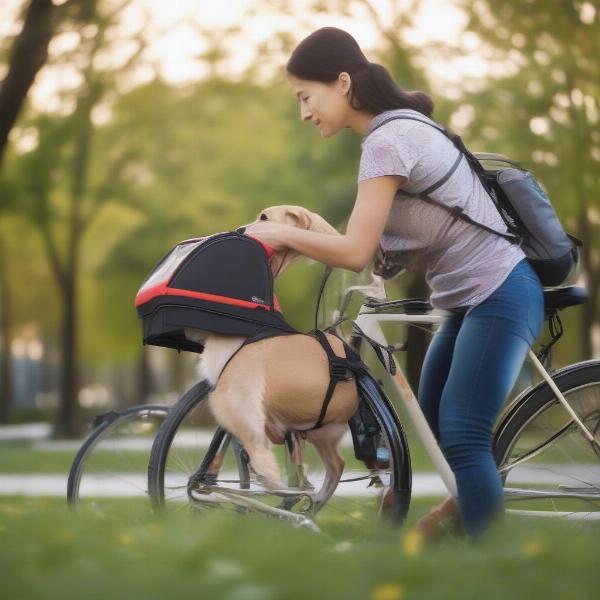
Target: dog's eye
264,217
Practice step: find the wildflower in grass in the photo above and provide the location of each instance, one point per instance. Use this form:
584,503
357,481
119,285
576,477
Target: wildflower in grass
413,543
533,548
126,539
387,591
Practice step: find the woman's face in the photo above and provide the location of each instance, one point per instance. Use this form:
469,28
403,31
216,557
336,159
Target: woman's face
324,104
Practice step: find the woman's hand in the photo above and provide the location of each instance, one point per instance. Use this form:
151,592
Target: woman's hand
271,233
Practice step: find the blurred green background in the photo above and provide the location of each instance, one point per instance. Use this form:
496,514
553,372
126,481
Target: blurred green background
128,125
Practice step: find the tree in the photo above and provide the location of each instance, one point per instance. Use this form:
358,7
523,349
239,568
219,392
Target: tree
542,108
28,56
67,193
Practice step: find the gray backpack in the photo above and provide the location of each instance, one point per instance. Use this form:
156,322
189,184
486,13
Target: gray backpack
525,208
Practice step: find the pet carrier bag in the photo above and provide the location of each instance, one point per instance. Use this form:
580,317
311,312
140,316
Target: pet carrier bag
222,283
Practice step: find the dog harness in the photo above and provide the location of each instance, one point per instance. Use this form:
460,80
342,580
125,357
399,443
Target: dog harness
340,369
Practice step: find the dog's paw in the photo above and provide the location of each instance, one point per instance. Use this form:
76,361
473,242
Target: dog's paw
272,485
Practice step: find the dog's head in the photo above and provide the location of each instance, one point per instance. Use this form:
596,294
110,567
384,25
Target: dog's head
296,216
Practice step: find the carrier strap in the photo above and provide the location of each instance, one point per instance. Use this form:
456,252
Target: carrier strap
456,211
340,369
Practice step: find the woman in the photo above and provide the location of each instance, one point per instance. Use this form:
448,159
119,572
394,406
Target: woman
494,299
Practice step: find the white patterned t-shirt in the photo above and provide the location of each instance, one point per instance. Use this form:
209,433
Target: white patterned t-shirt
463,263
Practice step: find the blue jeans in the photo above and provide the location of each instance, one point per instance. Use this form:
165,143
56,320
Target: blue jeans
470,368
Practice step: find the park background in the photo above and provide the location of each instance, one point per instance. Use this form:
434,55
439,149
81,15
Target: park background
151,122
129,125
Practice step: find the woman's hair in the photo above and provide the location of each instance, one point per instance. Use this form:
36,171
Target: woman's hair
329,51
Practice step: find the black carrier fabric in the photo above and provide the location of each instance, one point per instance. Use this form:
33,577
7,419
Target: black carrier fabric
222,283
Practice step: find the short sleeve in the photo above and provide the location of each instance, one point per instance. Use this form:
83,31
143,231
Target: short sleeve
382,157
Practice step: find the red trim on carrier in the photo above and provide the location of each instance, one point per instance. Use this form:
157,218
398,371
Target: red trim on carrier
267,248
162,289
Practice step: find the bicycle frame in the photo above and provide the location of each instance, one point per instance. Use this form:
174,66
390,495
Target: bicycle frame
369,321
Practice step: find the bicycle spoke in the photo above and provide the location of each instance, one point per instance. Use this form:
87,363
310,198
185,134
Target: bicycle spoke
551,465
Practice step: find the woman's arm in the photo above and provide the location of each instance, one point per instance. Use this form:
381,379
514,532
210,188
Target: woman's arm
356,247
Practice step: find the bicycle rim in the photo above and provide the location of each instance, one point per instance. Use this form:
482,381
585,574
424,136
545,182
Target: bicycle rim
196,465
110,468
549,467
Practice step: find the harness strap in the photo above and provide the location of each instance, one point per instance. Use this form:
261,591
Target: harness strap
261,334
340,369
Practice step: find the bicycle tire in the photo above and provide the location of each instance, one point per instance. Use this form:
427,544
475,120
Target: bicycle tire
164,438
104,426
394,505
547,465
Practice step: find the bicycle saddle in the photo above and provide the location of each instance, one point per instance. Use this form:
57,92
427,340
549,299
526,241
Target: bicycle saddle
558,298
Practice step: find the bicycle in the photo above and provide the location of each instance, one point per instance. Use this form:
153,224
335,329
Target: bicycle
112,462
546,440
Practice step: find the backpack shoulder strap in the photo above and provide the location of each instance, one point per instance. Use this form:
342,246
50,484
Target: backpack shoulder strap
456,211
445,177
407,118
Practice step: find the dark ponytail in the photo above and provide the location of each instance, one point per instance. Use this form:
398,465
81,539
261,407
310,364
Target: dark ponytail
374,91
329,51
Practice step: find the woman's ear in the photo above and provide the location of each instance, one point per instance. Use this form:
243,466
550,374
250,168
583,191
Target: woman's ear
344,82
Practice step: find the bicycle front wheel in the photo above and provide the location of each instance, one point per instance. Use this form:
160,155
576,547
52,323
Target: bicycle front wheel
112,462
548,465
197,465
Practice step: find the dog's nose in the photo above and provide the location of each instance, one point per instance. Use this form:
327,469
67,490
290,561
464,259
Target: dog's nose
241,230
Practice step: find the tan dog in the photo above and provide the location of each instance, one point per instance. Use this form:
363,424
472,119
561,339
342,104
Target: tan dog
278,384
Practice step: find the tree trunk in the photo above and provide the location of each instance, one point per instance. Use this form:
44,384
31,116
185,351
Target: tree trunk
145,377
68,423
6,363
28,56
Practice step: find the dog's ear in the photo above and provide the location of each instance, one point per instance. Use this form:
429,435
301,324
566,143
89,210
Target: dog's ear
320,225
298,217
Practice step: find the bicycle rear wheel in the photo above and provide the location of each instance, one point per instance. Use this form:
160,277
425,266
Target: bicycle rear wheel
195,464
549,467
112,463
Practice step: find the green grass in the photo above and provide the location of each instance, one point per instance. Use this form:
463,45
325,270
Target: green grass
48,551
23,458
